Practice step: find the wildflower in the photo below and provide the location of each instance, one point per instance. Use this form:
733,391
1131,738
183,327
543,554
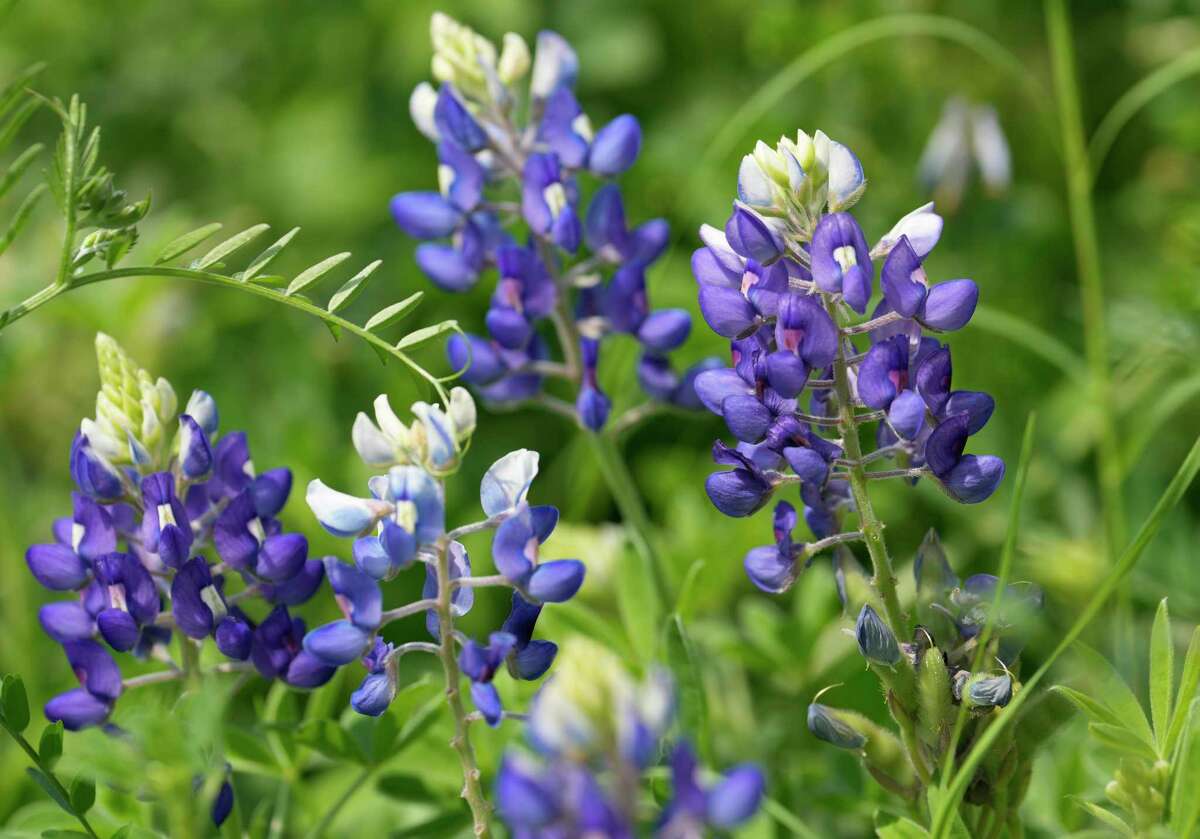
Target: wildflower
773,567
725,805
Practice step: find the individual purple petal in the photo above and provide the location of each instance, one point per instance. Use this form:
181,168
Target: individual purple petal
567,231
77,709
770,570
57,567
454,122
466,185
709,269
233,471
752,237
713,387
593,407
357,593
532,662
787,373
556,581
664,330
270,490
308,671
191,594
804,327
337,643
605,230
737,493
978,407
94,475
950,305
66,621
424,215
281,556
514,546
726,311
974,478
907,414
747,417
95,668
903,279
808,465
447,266
946,444
559,128
236,543
374,695
195,453
656,377
300,588
234,636
933,380
884,372
487,701
736,797
398,544
615,146
118,628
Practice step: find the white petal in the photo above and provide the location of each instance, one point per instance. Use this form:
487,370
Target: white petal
507,482
372,445
462,412
991,149
342,514
754,187
420,106
922,226
846,177
554,64
388,422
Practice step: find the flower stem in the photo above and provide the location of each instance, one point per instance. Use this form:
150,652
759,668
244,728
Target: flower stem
49,775
343,799
872,529
472,789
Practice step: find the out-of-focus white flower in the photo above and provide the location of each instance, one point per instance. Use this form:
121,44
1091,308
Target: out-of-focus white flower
965,134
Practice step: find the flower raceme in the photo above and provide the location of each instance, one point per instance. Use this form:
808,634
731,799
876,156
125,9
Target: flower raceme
163,524
402,524
508,125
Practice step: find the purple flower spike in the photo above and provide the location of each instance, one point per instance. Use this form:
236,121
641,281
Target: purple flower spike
616,146
841,261
968,478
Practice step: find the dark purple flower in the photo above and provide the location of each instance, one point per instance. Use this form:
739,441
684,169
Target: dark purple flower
196,600
515,551
166,529
933,383
530,658
968,478
100,681
740,492
773,567
67,621
132,599
547,202
479,664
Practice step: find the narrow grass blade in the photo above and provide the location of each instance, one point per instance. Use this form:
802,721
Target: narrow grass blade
1162,675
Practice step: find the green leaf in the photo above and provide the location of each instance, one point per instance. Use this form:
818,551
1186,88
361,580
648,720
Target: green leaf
260,262
310,275
415,339
8,131
1111,689
687,589
1122,740
229,246
21,216
14,703
50,746
393,313
12,92
1096,711
17,168
901,828
345,295
1185,792
446,825
182,244
1111,819
1162,675
404,788
693,701
417,724
1188,684
48,787
83,794
64,834
331,740
637,602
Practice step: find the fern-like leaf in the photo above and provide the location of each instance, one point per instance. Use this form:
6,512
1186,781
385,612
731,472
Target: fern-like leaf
345,295
238,240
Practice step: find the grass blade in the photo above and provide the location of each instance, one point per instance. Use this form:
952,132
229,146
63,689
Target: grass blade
316,272
1128,559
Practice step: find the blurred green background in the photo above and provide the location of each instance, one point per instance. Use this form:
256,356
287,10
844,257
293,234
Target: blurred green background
295,113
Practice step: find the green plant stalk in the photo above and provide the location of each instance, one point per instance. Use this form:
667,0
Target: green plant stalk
36,759
1091,287
1179,483
343,799
884,577
461,742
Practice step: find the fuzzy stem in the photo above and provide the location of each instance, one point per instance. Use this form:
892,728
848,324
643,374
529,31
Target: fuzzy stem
872,529
472,789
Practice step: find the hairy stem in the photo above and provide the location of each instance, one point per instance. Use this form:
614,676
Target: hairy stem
872,529
472,789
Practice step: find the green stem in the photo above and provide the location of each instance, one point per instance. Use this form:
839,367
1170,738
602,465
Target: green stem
872,528
46,771
70,138
343,799
1091,290
472,789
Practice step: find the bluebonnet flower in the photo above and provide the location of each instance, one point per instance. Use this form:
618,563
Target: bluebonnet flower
149,505
592,731
403,524
277,652
582,265
784,281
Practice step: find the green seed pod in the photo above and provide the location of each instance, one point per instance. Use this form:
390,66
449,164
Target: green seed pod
935,714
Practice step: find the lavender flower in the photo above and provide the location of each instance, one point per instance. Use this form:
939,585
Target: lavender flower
583,267
149,507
